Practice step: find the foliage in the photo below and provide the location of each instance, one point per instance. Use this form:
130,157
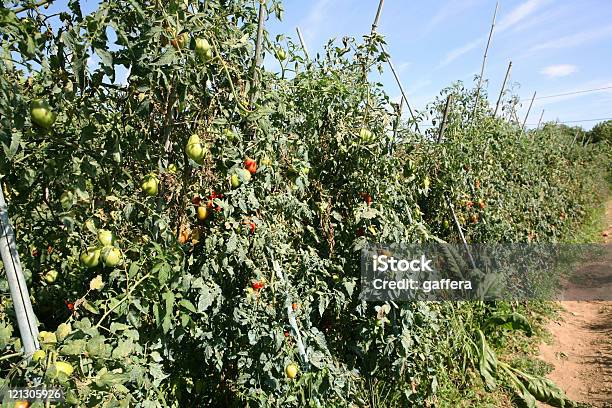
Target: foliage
201,312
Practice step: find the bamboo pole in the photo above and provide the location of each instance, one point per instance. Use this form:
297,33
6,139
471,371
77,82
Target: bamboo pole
399,83
528,110
540,120
449,101
377,18
302,42
26,319
258,44
460,230
503,88
484,60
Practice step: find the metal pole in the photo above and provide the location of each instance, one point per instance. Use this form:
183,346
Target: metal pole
528,110
449,101
502,88
484,61
26,319
299,33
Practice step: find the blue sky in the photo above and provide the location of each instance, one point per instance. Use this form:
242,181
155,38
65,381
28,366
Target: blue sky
556,46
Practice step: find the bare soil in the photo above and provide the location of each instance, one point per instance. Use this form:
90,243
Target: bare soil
581,350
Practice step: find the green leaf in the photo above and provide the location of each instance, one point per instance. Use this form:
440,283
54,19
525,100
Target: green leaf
187,305
514,321
487,362
169,302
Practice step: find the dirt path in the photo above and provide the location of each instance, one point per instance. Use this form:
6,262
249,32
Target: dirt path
581,351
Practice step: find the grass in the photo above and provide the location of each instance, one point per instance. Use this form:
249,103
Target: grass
522,351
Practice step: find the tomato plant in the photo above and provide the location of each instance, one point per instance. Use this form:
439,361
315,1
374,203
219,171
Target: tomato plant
151,305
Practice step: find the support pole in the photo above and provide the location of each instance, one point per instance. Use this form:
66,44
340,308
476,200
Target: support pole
540,120
484,60
26,319
528,110
258,44
460,230
299,33
447,199
399,83
503,88
377,18
449,101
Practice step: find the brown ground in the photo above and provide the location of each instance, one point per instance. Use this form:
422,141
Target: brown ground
581,351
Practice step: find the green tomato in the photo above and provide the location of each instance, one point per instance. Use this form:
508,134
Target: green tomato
105,237
235,180
281,54
194,149
229,134
265,161
64,368
41,113
172,168
67,199
203,49
39,355
150,185
50,276
91,257
365,135
111,256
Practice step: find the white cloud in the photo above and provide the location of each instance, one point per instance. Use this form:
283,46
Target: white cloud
556,71
519,13
574,40
458,52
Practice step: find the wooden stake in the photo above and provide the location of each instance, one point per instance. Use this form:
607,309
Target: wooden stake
299,33
528,110
484,60
449,101
503,88
258,43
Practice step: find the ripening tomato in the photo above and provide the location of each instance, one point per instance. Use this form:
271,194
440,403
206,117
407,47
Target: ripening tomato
202,213
291,370
294,306
250,165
